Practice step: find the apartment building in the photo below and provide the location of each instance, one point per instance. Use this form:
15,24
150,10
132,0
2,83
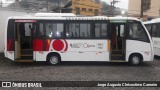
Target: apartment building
151,8
86,7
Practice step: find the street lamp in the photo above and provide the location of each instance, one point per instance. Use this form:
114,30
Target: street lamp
123,12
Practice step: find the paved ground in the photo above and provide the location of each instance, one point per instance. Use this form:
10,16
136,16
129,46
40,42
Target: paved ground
79,71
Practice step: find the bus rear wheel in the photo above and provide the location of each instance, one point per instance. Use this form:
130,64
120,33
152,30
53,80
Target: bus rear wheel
53,59
135,59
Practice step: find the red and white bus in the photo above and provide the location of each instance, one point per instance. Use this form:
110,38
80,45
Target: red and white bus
64,37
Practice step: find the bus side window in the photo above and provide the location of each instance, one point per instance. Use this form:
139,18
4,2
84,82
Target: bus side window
41,30
149,28
72,30
154,27
59,30
100,30
85,30
51,30
158,30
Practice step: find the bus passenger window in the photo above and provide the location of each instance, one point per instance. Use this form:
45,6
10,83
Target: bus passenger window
97,30
78,30
100,30
158,30
85,30
41,30
104,30
73,30
51,30
154,27
59,31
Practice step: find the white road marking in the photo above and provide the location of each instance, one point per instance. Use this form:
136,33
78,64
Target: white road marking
156,67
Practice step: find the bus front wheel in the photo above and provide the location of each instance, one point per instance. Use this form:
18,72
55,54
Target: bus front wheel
135,59
53,59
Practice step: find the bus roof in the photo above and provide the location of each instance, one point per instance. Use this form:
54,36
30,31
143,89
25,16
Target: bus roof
152,21
68,16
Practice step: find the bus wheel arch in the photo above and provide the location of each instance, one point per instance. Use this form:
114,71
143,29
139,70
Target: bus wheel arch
135,59
53,58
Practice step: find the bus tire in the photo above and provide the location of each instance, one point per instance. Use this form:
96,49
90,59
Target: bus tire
135,59
53,59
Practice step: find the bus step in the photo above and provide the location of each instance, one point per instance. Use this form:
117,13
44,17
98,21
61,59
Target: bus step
117,61
26,51
114,55
117,57
117,52
25,60
26,57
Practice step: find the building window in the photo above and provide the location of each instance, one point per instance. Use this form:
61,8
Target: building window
90,10
77,10
96,12
146,5
84,9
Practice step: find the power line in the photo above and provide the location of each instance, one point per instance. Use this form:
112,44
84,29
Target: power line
141,12
112,5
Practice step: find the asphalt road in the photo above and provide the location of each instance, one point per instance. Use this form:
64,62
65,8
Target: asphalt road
79,71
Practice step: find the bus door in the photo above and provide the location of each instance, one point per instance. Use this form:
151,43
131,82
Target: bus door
117,37
24,36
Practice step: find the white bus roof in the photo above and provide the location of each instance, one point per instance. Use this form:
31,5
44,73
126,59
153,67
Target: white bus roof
152,21
55,15
68,16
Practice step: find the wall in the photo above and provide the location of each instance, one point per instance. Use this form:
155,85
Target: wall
87,4
4,14
135,5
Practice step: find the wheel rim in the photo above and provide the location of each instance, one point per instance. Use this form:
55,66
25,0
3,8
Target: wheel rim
135,60
54,60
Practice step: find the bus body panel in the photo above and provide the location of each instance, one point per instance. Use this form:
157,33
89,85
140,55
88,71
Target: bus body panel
10,55
156,44
9,50
133,46
156,41
90,50
77,50
75,56
151,42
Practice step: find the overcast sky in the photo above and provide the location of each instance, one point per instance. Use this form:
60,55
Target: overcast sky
121,4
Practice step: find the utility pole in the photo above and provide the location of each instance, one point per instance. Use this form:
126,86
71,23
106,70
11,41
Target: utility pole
159,11
112,5
47,5
59,7
141,11
1,4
